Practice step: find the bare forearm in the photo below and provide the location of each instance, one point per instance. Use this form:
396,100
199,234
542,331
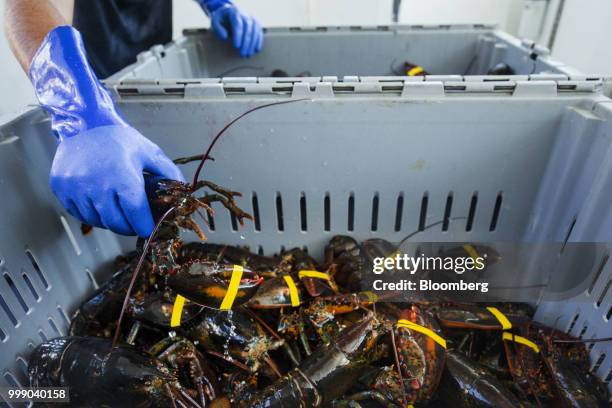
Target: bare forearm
27,22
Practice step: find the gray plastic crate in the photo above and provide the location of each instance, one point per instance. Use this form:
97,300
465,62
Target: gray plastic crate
347,51
369,158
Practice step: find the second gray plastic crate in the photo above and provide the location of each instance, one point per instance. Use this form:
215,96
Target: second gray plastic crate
513,161
347,51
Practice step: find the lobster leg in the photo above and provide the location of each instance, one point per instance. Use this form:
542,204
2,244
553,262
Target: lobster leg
227,202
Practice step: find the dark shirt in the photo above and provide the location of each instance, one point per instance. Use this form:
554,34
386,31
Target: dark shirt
115,31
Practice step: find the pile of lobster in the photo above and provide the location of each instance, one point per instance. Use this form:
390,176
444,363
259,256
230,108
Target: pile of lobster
194,325
214,325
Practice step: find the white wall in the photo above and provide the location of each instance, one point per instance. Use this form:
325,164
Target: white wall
505,13
294,12
583,37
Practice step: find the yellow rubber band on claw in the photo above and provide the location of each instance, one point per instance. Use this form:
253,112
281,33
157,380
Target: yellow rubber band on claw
313,274
293,292
521,340
415,71
232,289
501,318
471,251
424,330
177,311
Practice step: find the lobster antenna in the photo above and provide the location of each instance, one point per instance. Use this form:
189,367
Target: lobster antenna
399,368
583,340
412,234
135,274
529,379
205,156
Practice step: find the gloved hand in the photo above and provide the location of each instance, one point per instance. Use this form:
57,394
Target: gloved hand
247,34
97,171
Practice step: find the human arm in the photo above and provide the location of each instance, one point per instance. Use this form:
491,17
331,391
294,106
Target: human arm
97,171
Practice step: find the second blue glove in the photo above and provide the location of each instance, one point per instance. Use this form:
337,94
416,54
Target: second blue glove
226,19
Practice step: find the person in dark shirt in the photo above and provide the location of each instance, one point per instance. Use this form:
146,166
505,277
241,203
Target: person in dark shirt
65,46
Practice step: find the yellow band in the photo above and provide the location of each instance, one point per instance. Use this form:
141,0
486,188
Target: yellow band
177,311
501,318
293,292
471,251
521,340
424,330
313,274
232,289
415,71
371,296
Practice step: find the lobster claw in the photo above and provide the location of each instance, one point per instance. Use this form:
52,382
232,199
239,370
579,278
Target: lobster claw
156,309
275,293
160,193
214,285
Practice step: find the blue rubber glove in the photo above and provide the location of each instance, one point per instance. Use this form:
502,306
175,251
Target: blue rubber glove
97,171
225,17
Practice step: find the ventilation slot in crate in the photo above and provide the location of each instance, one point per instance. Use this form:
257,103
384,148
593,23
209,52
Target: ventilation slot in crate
43,335
56,331
351,213
399,209
472,212
573,323
30,286
598,362
256,219
63,316
447,212
37,269
303,217
569,233
604,292
423,214
600,269
23,366
496,212
326,213
608,378
12,380
375,203
584,329
8,311
16,292
234,221
280,222
210,218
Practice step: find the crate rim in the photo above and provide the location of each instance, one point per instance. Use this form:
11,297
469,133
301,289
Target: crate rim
527,46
